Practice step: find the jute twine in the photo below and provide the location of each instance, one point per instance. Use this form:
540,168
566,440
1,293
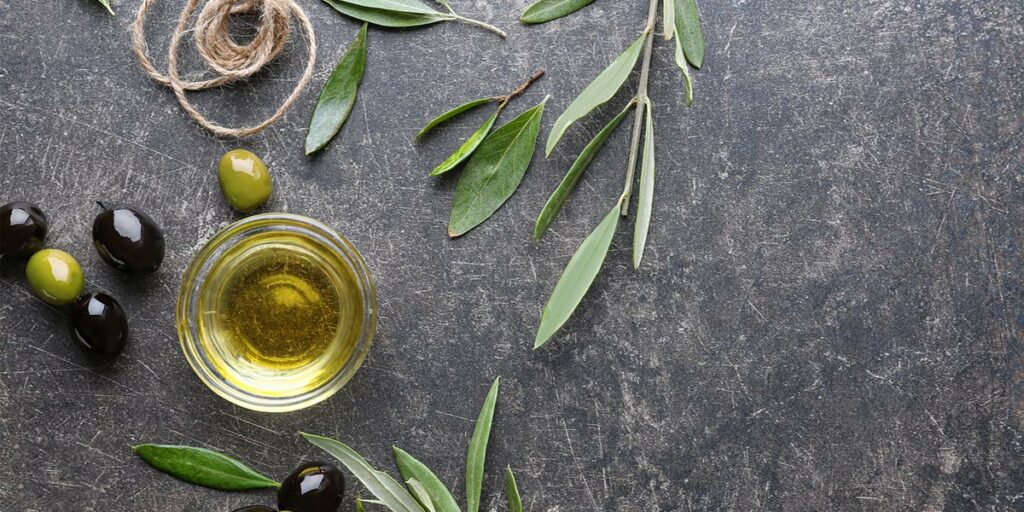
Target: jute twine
228,59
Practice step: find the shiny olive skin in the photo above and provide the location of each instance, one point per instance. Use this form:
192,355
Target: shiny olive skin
312,487
129,240
23,228
244,180
255,508
98,324
55,276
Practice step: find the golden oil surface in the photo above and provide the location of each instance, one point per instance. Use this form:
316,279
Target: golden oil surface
280,314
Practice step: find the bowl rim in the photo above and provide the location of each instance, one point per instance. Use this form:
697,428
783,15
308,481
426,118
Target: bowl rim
196,273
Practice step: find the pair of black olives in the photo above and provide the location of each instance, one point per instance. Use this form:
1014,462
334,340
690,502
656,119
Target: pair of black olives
312,487
128,240
125,237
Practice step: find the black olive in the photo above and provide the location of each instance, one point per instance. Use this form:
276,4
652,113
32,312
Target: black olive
98,323
128,239
312,487
23,227
255,508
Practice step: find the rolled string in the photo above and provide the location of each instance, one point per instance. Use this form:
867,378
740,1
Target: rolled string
229,60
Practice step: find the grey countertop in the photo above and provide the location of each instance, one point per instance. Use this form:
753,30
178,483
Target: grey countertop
829,316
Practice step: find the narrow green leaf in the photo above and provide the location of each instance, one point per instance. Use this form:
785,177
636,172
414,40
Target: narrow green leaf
561,194
403,13
515,502
645,198
391,493
385,18
689,32
668,18
477,454
579,274
602,89
494,171
339,95
421,494
444,3
546,10
468,147
359,504
106,3
402,6
203,467
465,107
410,468
687,81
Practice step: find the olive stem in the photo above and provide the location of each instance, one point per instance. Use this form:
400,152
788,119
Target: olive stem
478,23
102,206
522,87
641,102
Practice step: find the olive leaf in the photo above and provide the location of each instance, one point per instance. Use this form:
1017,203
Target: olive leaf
203,467
410,468
339,95
561,194
668,18
449,115
469,146
402,13
494,171
406,6
386,489
385,18
421,494
681,63
577,277
645,198
688,31
602,89
515,502
106,3
476,455
546,10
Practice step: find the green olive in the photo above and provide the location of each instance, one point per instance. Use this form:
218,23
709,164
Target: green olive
244,179
55,276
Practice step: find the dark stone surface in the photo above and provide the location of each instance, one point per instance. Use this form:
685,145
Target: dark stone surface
829,316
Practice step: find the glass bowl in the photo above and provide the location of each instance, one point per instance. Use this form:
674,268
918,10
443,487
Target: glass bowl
264,264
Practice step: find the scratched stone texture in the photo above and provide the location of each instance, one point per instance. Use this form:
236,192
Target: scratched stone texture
829,316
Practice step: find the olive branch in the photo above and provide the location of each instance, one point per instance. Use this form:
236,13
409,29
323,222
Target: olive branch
681,22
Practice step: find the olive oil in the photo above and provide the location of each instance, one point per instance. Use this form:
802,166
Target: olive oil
280,314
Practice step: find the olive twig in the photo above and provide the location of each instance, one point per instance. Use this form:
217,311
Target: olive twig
518,91
501,33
